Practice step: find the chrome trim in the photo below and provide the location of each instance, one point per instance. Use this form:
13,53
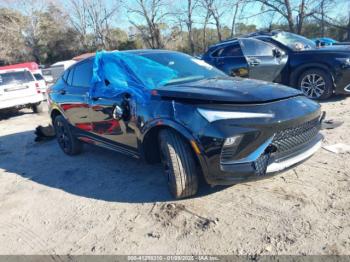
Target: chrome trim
253,156
279,166
347,88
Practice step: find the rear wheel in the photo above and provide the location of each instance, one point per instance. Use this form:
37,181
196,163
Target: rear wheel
316,84
65,138
179,164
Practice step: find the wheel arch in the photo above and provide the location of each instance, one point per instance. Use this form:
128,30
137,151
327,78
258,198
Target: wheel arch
150,137
296,73
54,113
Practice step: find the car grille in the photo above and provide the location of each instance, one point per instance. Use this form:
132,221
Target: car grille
283,143
287,139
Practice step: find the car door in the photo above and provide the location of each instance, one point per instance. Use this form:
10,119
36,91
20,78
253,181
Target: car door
265,61
230,59
73,97
113,121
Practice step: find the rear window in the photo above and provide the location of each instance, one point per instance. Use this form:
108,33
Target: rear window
16,78
38,77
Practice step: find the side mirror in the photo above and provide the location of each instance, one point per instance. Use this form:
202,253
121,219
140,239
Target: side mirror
118,112
277,53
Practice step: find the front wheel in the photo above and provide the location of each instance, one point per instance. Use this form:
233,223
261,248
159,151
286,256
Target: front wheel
179,164
316,84
65,138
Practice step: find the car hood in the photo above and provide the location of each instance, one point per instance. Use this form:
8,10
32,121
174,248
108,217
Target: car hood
330,49
228,90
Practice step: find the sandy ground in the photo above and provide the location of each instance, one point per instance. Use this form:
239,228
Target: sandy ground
102,202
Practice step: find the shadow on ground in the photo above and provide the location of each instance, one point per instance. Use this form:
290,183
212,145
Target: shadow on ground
97,173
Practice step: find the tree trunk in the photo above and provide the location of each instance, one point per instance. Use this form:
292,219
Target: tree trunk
189,26
233,24
289,16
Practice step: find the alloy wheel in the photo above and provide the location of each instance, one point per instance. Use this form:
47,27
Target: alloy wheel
313,85
62,136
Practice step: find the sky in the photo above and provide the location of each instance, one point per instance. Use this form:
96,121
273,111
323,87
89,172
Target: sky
249,12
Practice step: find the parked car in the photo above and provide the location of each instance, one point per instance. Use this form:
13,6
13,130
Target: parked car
285,58
34,68
200,121
19,89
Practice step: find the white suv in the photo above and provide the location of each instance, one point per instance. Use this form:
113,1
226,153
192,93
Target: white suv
19,89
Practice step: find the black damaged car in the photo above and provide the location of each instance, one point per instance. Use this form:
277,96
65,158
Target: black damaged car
200,123
285,58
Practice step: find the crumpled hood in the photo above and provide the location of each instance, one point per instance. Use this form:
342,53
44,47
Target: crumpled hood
230,90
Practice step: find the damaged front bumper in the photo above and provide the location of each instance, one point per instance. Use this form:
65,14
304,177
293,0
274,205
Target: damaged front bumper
266,164
284,149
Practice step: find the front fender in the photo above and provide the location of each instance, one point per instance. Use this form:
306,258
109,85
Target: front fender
159,123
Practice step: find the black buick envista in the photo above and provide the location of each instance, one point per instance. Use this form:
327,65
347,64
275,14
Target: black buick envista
199,123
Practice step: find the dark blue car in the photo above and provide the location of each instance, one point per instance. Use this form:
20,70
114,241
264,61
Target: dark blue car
285,58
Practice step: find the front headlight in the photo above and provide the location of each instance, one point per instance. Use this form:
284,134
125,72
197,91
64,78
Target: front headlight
344,61
215,115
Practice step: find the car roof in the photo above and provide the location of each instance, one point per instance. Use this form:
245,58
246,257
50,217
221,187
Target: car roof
260,34
136,52
4,71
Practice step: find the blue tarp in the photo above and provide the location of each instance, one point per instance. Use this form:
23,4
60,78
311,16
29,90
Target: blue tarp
127,72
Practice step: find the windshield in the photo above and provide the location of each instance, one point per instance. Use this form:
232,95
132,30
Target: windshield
296,42
187,68
15,78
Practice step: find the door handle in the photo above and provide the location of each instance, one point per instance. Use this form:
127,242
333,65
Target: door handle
62,92
254,62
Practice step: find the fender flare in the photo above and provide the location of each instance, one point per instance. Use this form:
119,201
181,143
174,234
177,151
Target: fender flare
55,107
158,123
294,76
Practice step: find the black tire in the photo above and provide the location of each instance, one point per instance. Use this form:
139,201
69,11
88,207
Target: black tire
38,108
66,140
322,87
179,164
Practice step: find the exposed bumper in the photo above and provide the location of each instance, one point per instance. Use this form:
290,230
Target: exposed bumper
21,101
284,164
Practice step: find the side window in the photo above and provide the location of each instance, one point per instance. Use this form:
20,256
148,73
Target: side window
65,75
70,76
217,53
231,50
82,74
253,47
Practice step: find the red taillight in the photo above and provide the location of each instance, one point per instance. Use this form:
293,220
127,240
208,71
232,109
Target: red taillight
37,87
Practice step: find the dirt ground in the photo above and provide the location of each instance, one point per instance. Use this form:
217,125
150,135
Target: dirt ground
101,202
